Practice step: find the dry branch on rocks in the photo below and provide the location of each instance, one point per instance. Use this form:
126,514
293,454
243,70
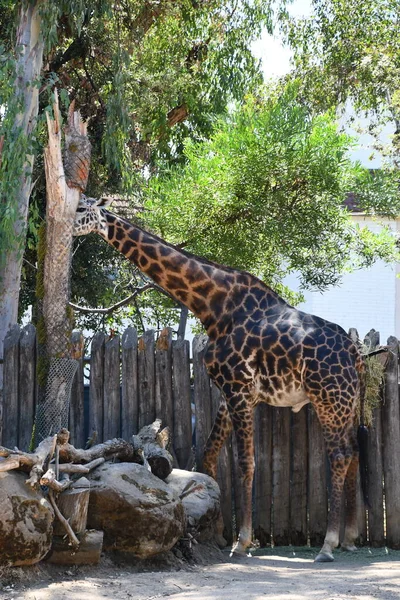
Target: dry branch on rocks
148,447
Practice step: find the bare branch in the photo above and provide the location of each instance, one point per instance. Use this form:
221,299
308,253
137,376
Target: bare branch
82,469
114,307
51,480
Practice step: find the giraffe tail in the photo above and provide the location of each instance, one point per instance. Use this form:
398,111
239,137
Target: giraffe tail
362,435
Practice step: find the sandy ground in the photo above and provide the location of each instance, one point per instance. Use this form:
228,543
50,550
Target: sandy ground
277,574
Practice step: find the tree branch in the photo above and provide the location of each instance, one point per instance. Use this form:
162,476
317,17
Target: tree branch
117,306
177,115
77,49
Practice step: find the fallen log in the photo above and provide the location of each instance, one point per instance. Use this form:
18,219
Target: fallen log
88,552
116,448
153,442
35,462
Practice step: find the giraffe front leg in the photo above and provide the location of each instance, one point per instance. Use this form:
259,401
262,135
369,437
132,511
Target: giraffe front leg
221,429
243,426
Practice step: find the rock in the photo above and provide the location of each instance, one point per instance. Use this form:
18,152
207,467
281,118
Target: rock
88,553
26,522
138,512
200,497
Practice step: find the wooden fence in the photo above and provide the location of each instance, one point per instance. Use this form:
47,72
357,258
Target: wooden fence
134,380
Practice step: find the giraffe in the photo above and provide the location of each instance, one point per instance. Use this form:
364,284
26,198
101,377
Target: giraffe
260,349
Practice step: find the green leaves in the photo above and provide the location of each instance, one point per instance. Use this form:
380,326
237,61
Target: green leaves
348,49
266,194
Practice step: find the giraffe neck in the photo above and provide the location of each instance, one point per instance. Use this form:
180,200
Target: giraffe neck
208,290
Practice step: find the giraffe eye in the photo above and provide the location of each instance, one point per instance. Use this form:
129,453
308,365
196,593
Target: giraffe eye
80,210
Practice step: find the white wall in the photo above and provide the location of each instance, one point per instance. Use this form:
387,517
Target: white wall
365,299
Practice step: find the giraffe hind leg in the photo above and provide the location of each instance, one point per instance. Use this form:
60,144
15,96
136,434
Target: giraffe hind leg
341,458
350,486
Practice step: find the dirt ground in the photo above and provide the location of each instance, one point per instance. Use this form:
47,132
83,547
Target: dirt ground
278,573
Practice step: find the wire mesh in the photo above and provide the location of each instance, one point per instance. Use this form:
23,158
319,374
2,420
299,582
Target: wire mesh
53,412
55,353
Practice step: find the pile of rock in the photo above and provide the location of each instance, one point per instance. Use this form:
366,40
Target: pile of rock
138,513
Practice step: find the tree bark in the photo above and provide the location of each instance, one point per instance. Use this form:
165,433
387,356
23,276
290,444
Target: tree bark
29,64
63,193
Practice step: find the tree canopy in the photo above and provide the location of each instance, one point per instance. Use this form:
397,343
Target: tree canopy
266,194
349,50
146,74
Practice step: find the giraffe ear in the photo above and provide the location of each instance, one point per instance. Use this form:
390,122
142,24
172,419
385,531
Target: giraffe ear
104,202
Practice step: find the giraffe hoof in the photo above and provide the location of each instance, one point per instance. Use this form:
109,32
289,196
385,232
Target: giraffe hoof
348,547
239,549
324,557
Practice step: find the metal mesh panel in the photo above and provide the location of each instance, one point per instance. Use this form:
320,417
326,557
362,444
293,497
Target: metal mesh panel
54,397
52,413
76,159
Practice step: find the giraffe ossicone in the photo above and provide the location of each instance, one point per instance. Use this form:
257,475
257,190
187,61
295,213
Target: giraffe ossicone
260,349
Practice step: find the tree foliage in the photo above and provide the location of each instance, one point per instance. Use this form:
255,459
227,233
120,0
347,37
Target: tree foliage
349,50
266,194
147,75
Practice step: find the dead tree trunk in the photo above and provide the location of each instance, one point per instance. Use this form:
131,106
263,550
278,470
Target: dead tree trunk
64,188
65,181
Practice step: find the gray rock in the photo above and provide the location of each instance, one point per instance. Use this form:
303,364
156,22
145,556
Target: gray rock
138,512
200,497
26,522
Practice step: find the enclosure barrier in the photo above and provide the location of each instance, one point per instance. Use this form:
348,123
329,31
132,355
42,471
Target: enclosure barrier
132,380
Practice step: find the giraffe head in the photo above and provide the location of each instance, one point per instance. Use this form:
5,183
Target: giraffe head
90,216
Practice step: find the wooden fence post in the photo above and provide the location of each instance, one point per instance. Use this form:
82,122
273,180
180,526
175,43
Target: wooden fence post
163,383
27,389
299,478
182,399
281,476
10,388
391,454
317,489
130,401
375,477
147,401
96,392
263,473
202,397
376,534
76,408
112,393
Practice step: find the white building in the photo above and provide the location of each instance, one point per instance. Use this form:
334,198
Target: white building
366,298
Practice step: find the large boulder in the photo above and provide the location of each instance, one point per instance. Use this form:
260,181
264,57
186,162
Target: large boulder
200,497
138,512
26,522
